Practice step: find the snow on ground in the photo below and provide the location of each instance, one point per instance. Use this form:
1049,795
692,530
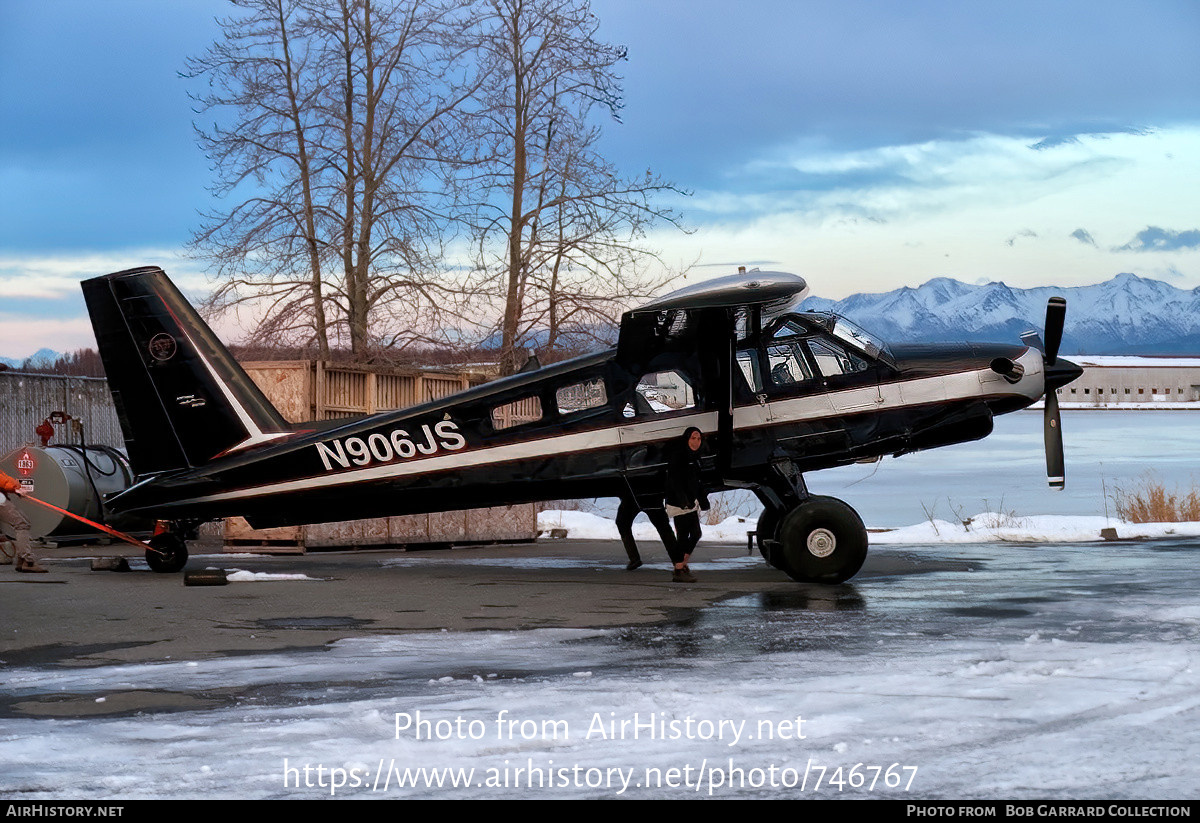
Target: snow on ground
1050,671
243,576
587,526
1121,405
986,527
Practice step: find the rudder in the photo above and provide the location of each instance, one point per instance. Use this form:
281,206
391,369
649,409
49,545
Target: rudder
181,397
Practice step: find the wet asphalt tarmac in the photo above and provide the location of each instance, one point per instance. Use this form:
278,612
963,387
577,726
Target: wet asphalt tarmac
74,616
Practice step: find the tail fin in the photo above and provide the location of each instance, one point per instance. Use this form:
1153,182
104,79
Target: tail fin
181,398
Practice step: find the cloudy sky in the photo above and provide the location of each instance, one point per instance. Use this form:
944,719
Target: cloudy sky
865,145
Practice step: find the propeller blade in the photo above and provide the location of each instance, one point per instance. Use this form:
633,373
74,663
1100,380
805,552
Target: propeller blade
1055,471
1056,314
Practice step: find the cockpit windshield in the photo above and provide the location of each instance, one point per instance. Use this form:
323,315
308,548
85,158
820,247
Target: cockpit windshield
834,324
860,338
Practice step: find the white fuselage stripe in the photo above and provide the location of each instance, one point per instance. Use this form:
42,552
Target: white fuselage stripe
921,391
610,437
254,435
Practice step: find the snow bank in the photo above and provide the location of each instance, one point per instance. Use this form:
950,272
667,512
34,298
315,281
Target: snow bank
992,527
585,526
988,527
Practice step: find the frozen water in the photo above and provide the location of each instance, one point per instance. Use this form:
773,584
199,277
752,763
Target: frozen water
1006,471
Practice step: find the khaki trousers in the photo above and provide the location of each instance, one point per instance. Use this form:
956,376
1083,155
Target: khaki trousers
18,528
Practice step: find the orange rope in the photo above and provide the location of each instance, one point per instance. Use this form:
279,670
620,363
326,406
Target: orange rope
122,536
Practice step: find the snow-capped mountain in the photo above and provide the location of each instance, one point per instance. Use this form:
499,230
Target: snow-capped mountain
1125,315
41,358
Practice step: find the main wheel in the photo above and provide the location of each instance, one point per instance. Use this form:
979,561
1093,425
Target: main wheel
768,524
169,553
823,541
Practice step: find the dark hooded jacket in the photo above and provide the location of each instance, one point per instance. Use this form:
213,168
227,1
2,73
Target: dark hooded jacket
683,487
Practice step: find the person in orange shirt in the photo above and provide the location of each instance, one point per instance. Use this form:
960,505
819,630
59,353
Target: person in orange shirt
14,520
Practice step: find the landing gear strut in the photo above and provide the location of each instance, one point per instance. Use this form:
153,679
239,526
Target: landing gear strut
768,543
811,538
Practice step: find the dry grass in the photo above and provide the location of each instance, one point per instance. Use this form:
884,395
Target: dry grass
1151,502
722,506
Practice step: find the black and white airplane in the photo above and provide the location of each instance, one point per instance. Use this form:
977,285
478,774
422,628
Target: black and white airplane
777,391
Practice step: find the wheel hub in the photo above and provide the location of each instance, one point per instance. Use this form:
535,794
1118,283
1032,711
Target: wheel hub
821,542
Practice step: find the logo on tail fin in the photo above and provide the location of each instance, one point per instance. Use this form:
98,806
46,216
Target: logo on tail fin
163,347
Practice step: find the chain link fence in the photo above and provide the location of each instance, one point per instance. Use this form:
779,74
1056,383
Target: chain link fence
28,399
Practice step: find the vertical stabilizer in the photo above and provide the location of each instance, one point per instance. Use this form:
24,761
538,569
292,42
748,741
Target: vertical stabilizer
181,397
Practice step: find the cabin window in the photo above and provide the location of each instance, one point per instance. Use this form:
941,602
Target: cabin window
787,365
661,393
833,359
580,396
517,413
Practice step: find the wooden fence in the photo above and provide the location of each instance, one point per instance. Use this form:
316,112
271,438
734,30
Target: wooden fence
28,399
314,390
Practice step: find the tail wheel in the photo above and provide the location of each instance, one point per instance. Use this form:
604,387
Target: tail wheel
823,541
765,531
168,553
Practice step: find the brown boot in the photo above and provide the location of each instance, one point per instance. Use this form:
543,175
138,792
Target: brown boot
683,575
31,566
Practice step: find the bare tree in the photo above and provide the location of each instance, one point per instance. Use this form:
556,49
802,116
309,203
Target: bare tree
334,151
558,233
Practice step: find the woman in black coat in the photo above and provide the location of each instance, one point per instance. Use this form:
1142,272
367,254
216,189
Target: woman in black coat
684,500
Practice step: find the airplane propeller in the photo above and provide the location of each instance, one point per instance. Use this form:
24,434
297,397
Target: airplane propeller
1057,373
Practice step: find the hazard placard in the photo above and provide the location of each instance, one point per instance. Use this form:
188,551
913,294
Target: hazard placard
26,463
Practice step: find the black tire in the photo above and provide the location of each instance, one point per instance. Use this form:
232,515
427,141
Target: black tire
205,577
170,555
768,525
824,541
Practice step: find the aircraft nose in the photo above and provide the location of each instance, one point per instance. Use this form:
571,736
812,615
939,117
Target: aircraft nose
1060,373
930,359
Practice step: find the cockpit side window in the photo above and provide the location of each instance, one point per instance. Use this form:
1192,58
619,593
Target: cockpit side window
786,364
788,328
747,360
832,359
741,324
